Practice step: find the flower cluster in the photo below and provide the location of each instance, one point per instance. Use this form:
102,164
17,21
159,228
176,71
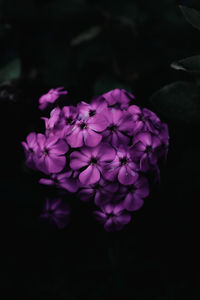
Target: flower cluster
102,150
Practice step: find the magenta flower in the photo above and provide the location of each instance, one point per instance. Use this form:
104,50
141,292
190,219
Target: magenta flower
144,120
122,167
97,106
92,160
51,124
68,119
146,149
102,192
119,126
87,131
50,97
30,149
50,155
118,98
62,180
56,211
135,193
114,217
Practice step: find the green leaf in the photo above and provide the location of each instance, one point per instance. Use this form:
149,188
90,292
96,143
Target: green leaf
179,101
108,82
189,64
191,15
11,71
90,34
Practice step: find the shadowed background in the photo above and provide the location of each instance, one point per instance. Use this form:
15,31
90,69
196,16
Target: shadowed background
90,47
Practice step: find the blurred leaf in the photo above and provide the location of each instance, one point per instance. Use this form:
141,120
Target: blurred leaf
60,8
86,36
191,15
108,82
178,101
92,52
11,71
189,64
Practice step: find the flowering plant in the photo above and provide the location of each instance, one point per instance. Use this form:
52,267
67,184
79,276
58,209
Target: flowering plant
102,150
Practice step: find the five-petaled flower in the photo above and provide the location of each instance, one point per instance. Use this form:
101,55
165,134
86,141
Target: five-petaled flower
57,212
113,216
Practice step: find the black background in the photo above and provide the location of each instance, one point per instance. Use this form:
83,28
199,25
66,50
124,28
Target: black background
157,255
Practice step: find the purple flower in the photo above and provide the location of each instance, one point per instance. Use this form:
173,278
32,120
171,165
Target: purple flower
50,97
56,211
118,98
50,154
119,125
93,160
51,124
97,106
62,180
144,120
68,119
102,192
134,194
122,167
145,148
114,217
87,131
30,149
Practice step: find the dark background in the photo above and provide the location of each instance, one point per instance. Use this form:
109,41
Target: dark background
90,47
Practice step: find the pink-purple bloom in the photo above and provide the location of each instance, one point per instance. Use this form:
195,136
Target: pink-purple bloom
50,154
103,151
50,97
56,211
113,216
93,161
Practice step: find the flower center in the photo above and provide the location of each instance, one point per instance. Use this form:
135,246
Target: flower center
110,215
31,150
123,161
69,120
112,127
92,112
83,125
141,118
46,151
148,149
131,188
93,161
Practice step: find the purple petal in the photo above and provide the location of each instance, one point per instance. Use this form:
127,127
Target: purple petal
107,152
75,139
41,139
60,148
90,175
123,219
97,122
92,138
55,164
100,217
46,181
78,160
132,202
126,177
144,163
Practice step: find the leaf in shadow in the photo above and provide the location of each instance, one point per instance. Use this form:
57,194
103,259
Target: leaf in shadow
189,64
191,15
106,83
90,34
179,101
11,71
